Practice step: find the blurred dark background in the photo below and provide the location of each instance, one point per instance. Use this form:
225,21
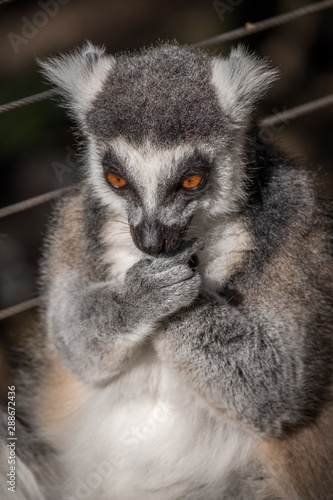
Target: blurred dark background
37,142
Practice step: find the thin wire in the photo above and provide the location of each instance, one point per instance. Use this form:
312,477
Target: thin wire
32,202
272,22
22,307
292,113
25,101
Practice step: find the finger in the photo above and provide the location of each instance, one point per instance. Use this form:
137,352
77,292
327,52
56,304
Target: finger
187,249
189,287
179,274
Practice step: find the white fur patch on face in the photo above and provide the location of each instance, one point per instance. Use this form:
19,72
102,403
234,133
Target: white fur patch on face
150,166
120,252
147,164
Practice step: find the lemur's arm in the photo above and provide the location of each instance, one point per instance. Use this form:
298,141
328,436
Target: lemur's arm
97,326
238,360
257,360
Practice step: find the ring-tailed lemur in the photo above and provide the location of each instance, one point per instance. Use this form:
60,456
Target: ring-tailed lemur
185,345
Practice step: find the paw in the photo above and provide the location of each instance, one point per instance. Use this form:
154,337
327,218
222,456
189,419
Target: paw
163,285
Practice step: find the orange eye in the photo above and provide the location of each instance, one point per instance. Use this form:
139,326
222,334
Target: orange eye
192,181
116,180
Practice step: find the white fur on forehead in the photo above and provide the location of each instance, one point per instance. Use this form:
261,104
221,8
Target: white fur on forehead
241,80
79,75
149,165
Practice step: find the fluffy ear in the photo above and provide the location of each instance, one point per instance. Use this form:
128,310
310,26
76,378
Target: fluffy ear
241,80
79,76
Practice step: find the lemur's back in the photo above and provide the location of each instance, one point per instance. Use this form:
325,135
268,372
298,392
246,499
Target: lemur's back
184,349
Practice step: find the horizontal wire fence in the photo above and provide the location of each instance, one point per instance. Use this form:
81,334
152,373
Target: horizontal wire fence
271,22
32,99
270,121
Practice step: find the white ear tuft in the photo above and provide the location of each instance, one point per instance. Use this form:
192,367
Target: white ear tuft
241,80
79,75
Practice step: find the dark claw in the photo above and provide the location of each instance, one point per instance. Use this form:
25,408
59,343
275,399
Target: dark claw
194,261
188,248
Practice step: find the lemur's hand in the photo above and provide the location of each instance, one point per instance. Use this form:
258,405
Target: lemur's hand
158,287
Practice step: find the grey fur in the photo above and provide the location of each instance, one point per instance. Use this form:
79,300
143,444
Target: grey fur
120,318
152,114
215,303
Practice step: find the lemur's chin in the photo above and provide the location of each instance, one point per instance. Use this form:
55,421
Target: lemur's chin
154,238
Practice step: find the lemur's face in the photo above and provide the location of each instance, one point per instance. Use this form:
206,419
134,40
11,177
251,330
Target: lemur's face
157,189
165,131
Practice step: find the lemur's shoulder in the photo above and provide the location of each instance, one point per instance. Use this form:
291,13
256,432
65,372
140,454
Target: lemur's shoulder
291,227
65,232
73,236
283,209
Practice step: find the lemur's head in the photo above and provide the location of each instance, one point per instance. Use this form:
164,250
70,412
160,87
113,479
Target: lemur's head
165,131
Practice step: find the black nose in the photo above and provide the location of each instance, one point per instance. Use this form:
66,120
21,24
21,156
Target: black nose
149,237
155,238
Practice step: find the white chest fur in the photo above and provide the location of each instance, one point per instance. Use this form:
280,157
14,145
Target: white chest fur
146,437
